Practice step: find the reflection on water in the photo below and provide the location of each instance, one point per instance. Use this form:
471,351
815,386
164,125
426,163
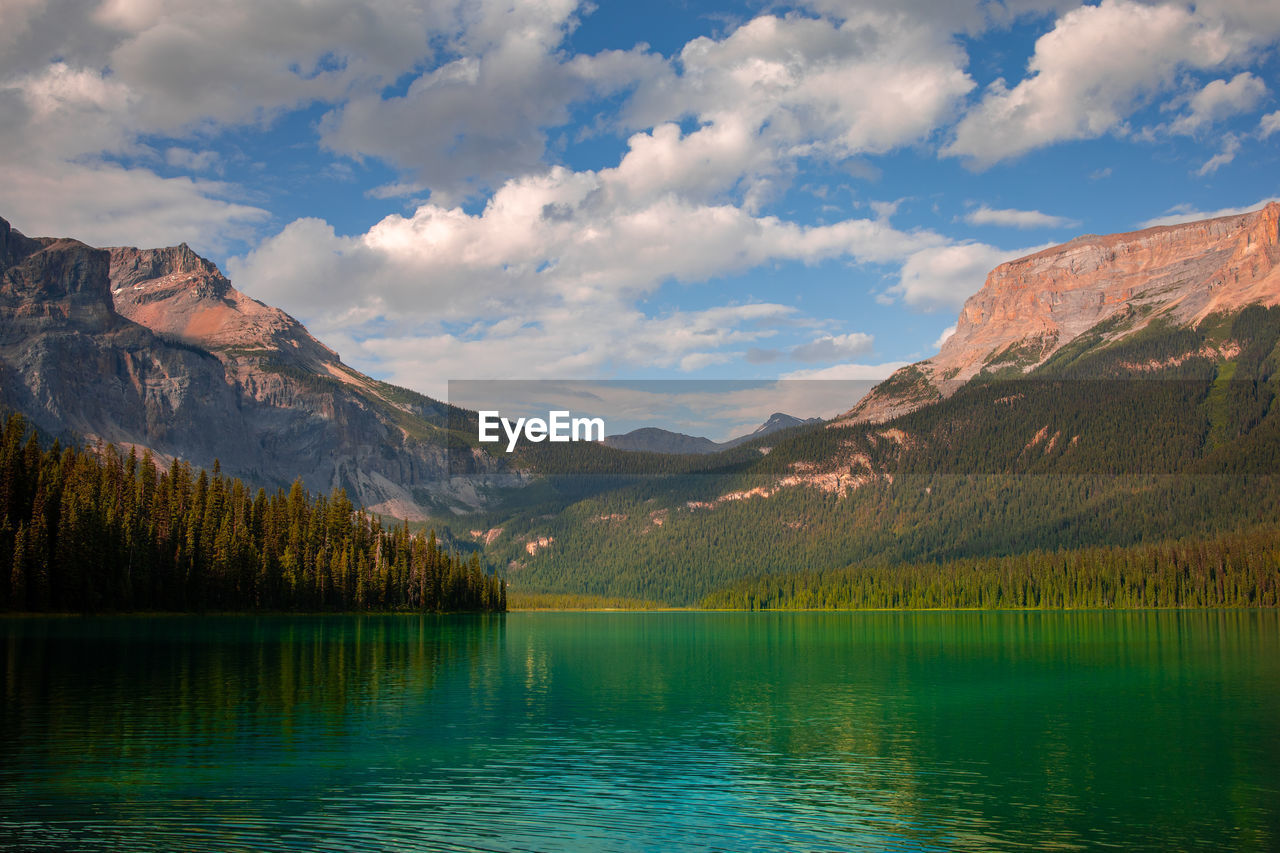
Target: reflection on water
643,731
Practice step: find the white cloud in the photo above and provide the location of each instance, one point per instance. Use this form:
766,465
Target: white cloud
562,237
1188,213
1011,218
106,205
1097,65
65,112
955,16
876,372
483,117
778,89
555,342
185,64
833,347
943,277
1270,124
774,90
942,338
1230,147
798,74
1221,99
567,256
191,61
80,86
196,161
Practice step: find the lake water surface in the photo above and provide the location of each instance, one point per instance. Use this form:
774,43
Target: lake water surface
642,731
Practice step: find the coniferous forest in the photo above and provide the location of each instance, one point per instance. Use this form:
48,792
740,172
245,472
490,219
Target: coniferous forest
1240,570
85,532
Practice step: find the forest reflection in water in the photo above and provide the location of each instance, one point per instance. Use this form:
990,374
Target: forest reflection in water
643,730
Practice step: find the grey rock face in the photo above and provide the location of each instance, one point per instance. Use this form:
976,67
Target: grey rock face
155,349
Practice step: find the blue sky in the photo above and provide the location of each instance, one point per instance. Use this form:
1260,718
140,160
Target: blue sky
672,190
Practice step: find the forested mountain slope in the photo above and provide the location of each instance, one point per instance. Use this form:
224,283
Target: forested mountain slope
1157,422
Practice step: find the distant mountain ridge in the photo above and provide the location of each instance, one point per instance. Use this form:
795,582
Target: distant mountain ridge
777,421
658,440
155,349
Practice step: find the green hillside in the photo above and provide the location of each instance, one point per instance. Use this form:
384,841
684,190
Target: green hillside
1164,434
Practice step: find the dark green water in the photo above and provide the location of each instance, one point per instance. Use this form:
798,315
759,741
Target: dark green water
655,731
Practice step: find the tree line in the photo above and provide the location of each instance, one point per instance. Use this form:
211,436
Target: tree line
1238,570
85,531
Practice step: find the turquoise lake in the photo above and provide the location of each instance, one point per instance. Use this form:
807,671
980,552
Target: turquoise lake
643,731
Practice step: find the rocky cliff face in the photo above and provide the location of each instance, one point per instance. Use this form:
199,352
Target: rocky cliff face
156,349
1030,308
177,293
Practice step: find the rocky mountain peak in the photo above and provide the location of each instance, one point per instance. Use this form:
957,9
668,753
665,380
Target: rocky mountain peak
176,292
781,420
1031,307
14,246
129,266
52,279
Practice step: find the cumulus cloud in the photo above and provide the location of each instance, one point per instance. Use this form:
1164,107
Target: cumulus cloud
778,89
1091,71
196,161
79,87
1189,213
484,116
834,347
1221,99
874,372
104,204
569,236
1012,218
1270,124
775,89
188,63
943,277
955,16
567,253
1230,147
942,338
555,342
61,111
192,61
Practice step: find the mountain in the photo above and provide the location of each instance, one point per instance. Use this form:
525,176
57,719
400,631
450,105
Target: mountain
154,349
656,440
1096,290
1113,393
1036,428
777,421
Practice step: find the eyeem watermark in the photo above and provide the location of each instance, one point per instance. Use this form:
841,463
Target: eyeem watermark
560,425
